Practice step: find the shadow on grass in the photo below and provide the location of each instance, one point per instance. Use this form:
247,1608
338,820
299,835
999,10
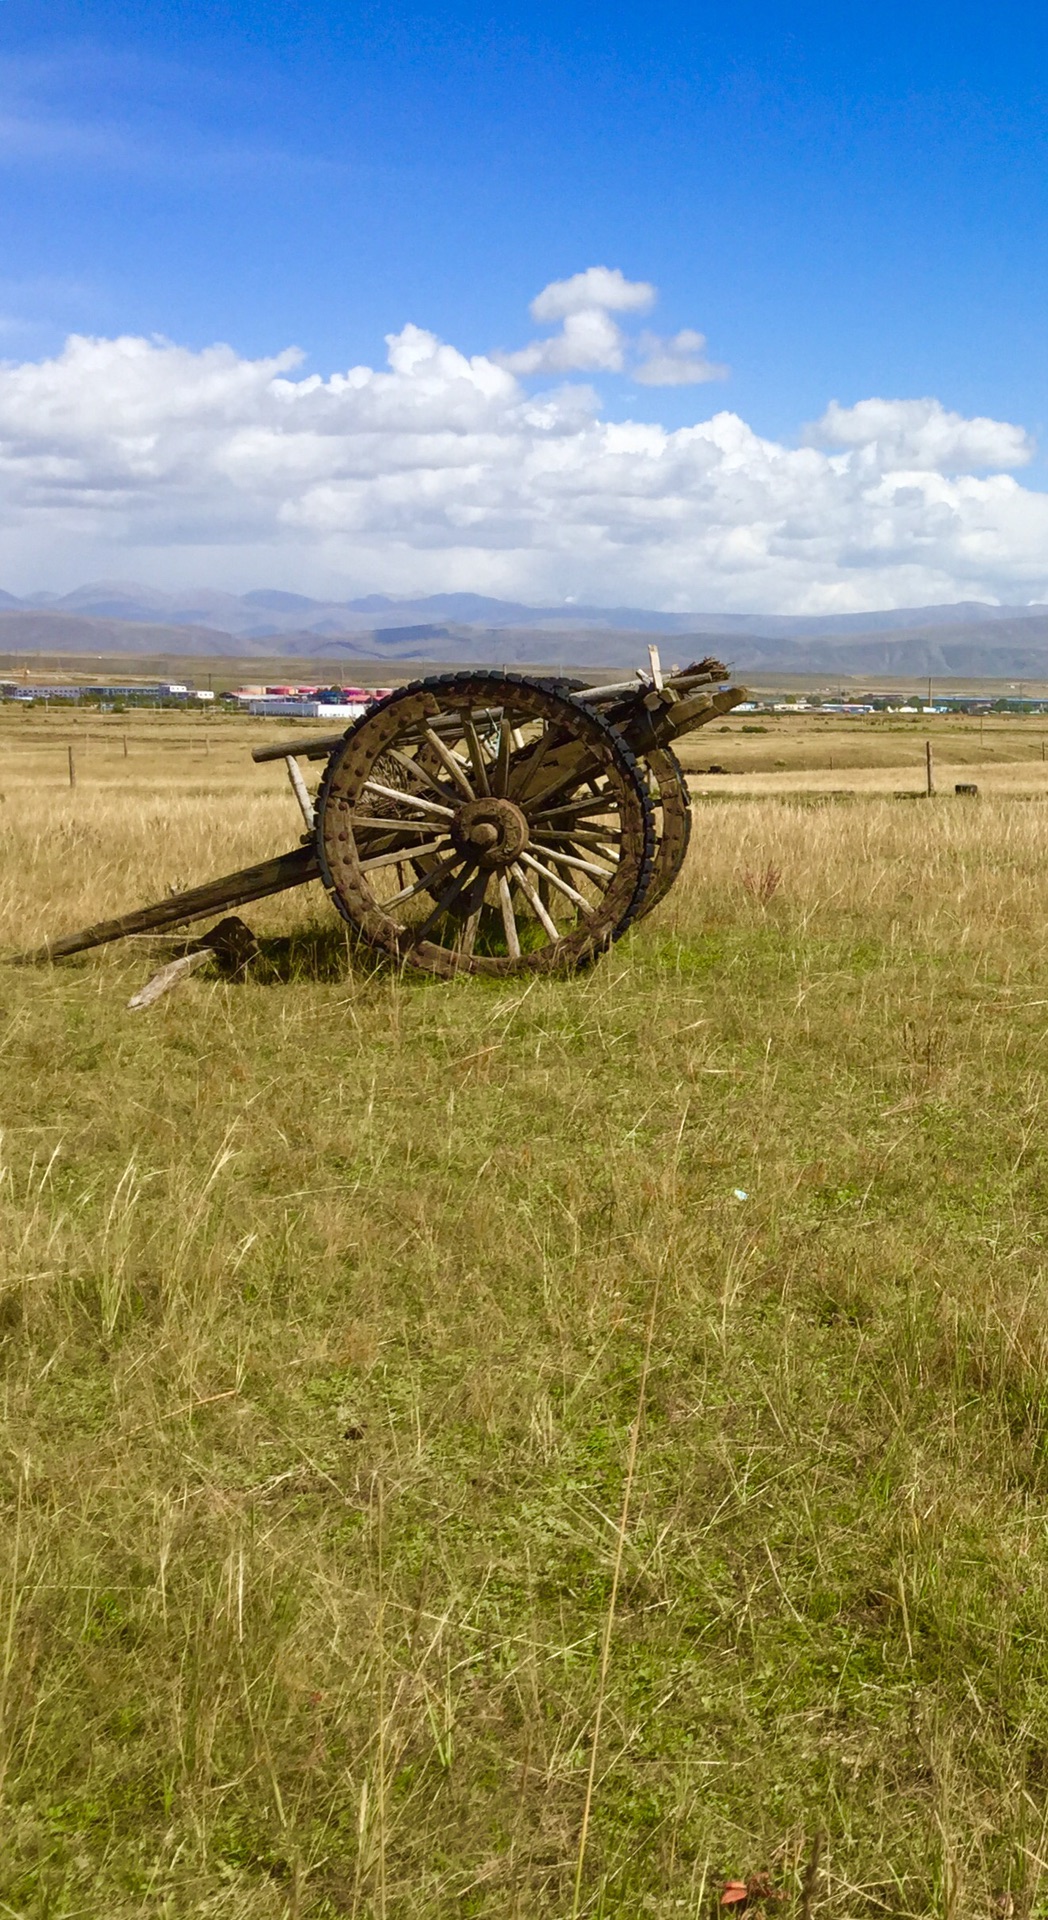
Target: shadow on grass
320,953
326,952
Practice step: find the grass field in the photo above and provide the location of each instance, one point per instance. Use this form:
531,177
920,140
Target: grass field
341,1314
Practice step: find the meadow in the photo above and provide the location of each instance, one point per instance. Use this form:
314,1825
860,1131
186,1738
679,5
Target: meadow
447,1424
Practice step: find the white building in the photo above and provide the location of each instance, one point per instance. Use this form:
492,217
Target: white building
277,707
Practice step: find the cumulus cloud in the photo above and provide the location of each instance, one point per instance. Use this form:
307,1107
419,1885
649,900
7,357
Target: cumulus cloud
678,362
605,287
922,434
443,470
588,342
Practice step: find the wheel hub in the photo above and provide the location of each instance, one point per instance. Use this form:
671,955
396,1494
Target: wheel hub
492,832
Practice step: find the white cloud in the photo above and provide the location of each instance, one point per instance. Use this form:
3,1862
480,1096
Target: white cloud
922,434
440,470
588,342
604,287
678,362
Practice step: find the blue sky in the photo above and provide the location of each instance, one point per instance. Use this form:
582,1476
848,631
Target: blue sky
848,203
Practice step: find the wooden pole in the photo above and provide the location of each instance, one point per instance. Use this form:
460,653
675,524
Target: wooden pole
125,746
251,883
929,770
300,789
167,978
72,767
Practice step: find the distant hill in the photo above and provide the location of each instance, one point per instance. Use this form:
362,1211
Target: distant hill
106,617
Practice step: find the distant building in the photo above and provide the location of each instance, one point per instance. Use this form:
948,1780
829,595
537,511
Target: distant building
272,706
148,695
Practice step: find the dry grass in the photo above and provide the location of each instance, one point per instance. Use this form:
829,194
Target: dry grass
883,754
325,1301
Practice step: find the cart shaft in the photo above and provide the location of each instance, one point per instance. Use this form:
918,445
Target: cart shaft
251,883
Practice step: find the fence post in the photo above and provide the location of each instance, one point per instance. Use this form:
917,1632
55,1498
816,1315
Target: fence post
72,767
928,768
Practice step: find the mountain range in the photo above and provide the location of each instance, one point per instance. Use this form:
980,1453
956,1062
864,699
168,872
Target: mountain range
966,639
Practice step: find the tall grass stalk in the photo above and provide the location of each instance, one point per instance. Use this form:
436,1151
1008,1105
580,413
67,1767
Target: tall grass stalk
609,1617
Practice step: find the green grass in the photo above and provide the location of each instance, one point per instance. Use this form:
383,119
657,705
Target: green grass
324,1303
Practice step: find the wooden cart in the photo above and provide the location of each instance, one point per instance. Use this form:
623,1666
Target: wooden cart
481,822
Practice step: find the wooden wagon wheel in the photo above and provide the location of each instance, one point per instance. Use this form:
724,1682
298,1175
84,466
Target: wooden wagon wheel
671,799
518,835
672,802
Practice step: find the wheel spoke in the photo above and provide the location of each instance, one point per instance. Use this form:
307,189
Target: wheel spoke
409,799
474,909
453,764
445,900
509,920
577,836
476,754
572,860
416,770
526,773
388,825
505,750
576,809
396,856
537,906
566,778
424,884
672,805
557,880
